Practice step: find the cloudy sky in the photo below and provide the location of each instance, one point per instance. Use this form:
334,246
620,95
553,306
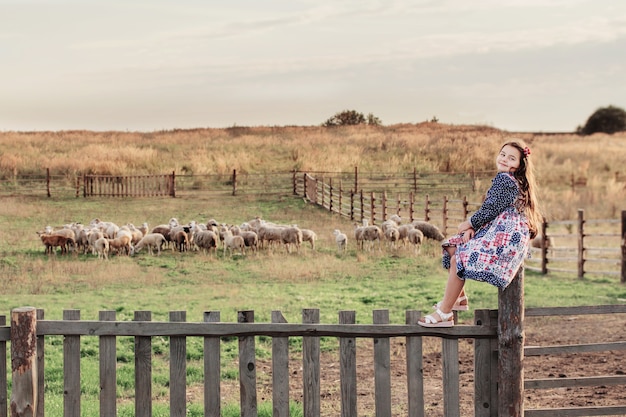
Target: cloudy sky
519,65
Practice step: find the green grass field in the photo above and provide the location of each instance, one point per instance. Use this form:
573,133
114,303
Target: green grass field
363,282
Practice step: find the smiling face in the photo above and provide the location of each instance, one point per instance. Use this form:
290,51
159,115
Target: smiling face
508,160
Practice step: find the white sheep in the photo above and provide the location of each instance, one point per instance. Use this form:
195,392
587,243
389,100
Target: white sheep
415,238
233,243
206,240
101,247
151,240
372,234
92,236
310,236
269,235
392,235
291,237
342,241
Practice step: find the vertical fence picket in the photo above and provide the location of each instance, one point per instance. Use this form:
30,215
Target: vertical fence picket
485,369
3,372
311,366
280,370
178,369
450,358
212,369
581,243
347,367
414,369
143,369
382,367
108,362
247,368
71,369
41,344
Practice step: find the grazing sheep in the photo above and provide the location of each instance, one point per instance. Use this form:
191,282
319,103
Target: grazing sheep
404,230
180,240
67,233
250,238
92,236
430,231
269,235
163,229
151,240
101,247
233,243
54,241
206,240
310,236
291,236
120,244
415,238
372,234
342,241
392,235
358,236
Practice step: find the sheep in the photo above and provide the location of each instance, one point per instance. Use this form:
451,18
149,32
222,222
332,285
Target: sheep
392,235
430,231
404,231
143,229
82,240
372,234
310,236
92,236
205,240
163,229
67,233
53,241
250,238
415,238
232,243
342,241
101,247
269,234
180,239
120,244
136,234
151,240
536,242
291,236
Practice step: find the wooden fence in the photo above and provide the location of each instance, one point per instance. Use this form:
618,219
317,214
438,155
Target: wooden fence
498,360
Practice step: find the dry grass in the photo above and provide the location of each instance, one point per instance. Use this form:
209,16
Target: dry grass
596,161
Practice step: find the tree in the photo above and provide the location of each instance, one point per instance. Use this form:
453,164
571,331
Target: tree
351,118
609,119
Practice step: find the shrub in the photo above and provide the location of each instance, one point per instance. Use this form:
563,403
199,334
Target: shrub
351,118
609,119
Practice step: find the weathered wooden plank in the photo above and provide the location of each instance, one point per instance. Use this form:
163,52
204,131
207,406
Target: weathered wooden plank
23,362
564,349
148,329
485,368
178,369
450,358
587,381
577,411
143,369
311,367
280,370
575,311
71,369
382,368
247,368
414,368
212,370
347,368
108,370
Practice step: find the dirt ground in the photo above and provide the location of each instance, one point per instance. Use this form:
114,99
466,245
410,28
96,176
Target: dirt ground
540,331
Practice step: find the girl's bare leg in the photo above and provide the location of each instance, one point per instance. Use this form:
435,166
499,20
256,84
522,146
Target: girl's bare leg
454,288
452,271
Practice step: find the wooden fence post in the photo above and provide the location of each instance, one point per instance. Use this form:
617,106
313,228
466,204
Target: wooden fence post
544,249
485,368
143,369
382,366
372,208
330,192
108,369
411,206
293,182
24,362
426,209
178,369
444,215
384,208
212,369
356,179
623,278
173,185
71,369
247,368
280,370
347,367
511,348
3,372
48,181
311,366
581,243
234,182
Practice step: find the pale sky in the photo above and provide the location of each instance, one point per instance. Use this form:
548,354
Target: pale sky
139,65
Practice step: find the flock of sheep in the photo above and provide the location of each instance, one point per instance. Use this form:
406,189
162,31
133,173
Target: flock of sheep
103,238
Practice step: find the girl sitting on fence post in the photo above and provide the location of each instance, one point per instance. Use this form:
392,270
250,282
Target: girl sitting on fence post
492,244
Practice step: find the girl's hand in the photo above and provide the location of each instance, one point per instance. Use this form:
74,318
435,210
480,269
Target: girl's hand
468,234
466,225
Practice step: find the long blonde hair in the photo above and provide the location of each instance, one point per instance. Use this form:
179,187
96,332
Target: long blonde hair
525,176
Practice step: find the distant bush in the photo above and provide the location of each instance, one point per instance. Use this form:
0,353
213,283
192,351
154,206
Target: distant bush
609,119
351,118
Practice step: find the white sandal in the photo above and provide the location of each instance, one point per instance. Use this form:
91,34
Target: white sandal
444,320
461,304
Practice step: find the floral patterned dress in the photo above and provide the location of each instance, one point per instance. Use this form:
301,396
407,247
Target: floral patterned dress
501,241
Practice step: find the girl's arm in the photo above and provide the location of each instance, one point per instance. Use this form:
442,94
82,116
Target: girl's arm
502,194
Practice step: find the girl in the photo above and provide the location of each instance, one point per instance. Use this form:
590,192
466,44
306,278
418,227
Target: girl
492,244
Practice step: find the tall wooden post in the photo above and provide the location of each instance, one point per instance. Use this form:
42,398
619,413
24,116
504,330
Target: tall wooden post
544,247
511,348
234,182
623,278
24,362
581,243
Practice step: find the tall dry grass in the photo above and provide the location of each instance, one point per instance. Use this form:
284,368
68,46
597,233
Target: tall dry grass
597,161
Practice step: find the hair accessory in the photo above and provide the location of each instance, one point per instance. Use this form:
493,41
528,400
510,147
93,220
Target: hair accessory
526,151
